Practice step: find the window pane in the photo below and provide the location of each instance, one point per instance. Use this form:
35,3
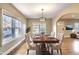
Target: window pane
16,30
42,28
7,27
23,28
77,27
39,28
15,23
35,29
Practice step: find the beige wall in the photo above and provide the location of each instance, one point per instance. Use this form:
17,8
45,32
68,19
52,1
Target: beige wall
72,9
48,24
12,11
60,26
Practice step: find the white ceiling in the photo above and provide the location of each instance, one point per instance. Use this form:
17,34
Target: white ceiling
33,10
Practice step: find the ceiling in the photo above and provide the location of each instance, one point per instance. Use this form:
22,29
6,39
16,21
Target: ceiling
33,10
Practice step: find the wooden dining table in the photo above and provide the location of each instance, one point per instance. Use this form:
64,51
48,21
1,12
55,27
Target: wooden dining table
44,40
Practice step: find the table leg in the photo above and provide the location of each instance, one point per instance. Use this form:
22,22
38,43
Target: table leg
44,49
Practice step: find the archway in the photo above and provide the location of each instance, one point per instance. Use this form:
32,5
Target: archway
66,23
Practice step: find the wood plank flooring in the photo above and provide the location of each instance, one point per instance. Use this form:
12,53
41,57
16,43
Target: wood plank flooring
69,47
22,50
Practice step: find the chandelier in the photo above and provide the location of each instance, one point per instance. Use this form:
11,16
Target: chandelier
42,18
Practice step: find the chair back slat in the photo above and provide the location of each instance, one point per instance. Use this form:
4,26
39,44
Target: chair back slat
60,37
28,39
53,34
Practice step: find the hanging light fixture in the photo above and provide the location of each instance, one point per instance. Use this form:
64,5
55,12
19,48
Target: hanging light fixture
42,18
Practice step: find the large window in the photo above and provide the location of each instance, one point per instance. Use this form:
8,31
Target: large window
42,27
77,27
39,28
12,29
7,27
16,28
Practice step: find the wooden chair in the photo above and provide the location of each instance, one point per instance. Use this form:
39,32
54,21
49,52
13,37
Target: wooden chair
31,45
57,46
52,34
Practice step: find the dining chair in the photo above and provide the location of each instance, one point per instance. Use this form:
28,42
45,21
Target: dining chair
57,46
31,46
52,35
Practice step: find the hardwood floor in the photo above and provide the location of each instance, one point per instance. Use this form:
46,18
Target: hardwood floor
22,50
69,47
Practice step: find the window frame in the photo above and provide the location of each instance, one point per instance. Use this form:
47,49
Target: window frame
39,26
12,27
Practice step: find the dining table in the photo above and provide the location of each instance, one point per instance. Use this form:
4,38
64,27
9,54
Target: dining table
43,40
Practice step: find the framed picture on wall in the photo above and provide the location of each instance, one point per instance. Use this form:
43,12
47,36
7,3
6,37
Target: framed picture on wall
69,27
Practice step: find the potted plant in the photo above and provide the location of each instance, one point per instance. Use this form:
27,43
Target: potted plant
28,30
42,33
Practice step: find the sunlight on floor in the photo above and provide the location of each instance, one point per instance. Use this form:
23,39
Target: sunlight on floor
76,46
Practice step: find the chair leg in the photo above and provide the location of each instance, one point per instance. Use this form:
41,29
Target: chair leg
57,50
47,47
27,51
52,51
60,51
37,51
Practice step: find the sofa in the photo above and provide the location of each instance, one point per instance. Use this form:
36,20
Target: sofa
74,35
